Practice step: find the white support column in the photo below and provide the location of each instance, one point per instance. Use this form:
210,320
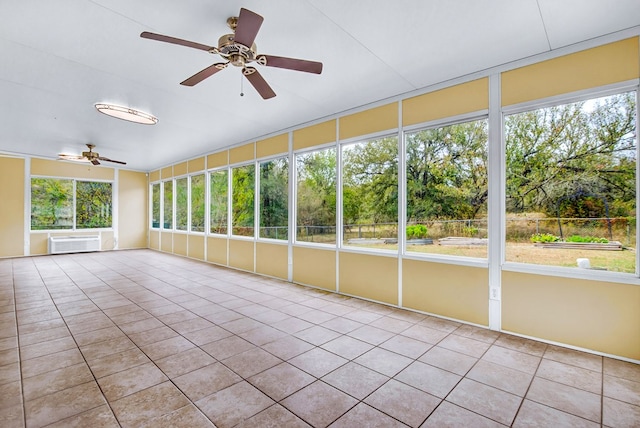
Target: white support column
115,201
27,206
291,223
402,199
496,203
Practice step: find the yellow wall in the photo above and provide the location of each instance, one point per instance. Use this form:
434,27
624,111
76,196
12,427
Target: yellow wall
596,315
180,243
272,146
242,153
453,101
241,254
133,197
12,223
52,168
166,172
603,65
180,169
272,259
315,266
315,135
195,165
154,239
166,242
218,159
154,176
370,276
459,292
217,250
369,121
196,247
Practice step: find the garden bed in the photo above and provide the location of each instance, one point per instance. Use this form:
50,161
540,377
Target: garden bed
609,246
461,240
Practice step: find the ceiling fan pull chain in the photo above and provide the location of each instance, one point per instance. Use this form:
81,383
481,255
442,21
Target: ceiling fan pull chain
241,85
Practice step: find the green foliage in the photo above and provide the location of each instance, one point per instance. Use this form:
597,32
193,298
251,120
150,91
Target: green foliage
588,239
197,203
182,209
316,196
242,200
218,189
168,205
93,204
155,205
470,231
274,197
416,231
51,203
544,238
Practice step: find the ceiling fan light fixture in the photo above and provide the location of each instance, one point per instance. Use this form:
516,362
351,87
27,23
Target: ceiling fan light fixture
126,113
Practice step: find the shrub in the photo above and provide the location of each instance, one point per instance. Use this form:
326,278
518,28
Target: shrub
416,231
470,231
591,239
544,238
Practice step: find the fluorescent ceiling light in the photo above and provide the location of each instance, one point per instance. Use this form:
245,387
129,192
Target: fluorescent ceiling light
126,113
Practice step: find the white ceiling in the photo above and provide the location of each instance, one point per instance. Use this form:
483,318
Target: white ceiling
61,57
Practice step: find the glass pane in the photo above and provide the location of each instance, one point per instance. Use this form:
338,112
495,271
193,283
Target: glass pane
370,193
197,203
218,188
182,203
155,205
316,196
168,205
274,197
447,190
242,191
51,203
93,204
571,184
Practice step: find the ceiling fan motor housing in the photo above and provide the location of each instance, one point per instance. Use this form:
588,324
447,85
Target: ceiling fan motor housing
236,53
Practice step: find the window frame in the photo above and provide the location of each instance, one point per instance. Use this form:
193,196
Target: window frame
569,98
258,194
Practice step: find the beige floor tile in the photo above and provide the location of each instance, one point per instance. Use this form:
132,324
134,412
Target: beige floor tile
280,381
365,415
251,362
318,362
622,389
406,346
206,381
241,325
393,325
372,335
188,416
287,347
574,358
513,359
520,344
152,336
44,335
262,335
429,379
232,405
63,404
446,359
274,416
56,380
347,347
464,345
356,380
118,362
207,335
450,415
37,327
140,326
319,404
533,414
99,417
11,394
566,398
386,362
133,410
485,400
98,350
167,347
570,375
51,362
190,325
622,369
227,347
501,377
9,373
184,362
129,381
477,333
619,414
88,338
45,348
342,325
403,402
317,335
425,334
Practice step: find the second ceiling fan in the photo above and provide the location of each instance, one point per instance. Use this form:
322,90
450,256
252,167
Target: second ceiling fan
239,49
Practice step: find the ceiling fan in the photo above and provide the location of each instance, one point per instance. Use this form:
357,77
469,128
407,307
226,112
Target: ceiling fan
90,156
239,49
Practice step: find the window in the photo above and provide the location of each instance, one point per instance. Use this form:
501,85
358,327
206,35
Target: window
219,188
55,206
316,196
155,205
243,193
370,193
274,197
197,203
93,204
167,205
447,190
571,184
182,203
51,203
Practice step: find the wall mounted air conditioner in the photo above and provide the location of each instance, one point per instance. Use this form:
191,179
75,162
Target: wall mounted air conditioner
74,244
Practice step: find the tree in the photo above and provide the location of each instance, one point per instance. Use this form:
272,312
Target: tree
274,197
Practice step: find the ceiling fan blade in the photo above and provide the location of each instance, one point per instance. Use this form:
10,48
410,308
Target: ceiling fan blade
63,156
95,161
207,72
290,63
258,82
247,29
174,40
111,160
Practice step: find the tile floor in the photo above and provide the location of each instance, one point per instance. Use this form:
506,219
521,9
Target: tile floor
140,338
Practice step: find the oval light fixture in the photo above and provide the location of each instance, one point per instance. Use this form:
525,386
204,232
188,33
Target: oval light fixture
126,113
